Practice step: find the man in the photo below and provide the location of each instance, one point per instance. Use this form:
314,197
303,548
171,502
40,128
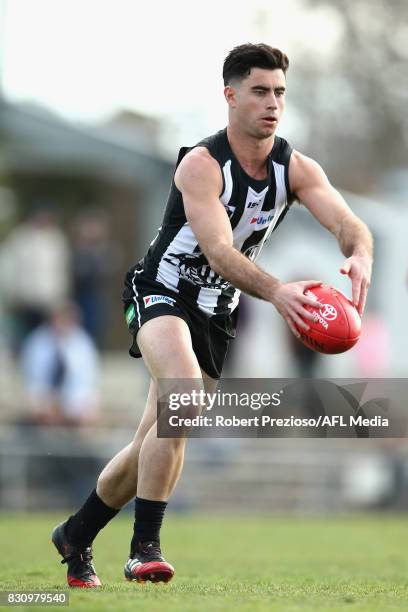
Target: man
229,193
60,366
40,246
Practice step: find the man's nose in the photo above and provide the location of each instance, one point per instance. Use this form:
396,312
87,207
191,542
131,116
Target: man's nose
272,102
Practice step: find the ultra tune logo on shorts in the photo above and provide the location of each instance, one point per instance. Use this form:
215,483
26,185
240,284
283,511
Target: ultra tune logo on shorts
151,300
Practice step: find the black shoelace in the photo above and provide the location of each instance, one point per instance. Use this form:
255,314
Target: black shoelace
150,549
82,556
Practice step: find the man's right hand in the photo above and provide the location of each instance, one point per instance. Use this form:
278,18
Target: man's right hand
290,302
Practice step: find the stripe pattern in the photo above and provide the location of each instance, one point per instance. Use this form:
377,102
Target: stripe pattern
255,208
133,563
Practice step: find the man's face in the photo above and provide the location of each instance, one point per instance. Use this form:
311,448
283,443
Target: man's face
257,102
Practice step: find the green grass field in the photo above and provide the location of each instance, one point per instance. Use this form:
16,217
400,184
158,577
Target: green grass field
240,564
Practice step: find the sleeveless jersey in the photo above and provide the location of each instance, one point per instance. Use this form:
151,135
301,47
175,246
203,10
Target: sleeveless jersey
255,209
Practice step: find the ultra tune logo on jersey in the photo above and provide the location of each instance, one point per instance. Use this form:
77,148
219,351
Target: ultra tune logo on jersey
151,300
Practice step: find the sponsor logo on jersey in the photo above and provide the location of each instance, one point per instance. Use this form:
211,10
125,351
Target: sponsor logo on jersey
151,300
194,267
252,204
130,314
263,220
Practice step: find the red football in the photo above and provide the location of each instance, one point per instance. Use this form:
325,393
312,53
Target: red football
337,325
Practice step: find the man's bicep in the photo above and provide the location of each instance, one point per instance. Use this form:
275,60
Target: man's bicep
199,182
209,222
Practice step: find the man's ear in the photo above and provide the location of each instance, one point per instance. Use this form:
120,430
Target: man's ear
230,93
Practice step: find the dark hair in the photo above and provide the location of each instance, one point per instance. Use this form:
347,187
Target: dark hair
239,61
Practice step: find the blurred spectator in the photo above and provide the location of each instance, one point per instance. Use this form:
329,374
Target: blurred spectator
60,368
34,262
95,259
305,360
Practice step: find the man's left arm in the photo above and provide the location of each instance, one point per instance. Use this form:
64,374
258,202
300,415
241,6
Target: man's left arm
312,188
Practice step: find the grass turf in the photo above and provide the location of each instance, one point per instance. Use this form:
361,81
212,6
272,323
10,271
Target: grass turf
239,564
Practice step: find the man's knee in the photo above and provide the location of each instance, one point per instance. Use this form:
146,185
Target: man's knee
138,441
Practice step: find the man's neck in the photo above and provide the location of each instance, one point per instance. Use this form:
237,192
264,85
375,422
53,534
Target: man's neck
251,153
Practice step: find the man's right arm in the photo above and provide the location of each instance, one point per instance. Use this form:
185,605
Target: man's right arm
198,177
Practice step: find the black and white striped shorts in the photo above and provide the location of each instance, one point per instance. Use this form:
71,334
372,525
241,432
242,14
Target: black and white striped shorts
144,299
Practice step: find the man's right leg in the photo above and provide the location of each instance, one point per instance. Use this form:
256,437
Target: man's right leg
116,486
118,481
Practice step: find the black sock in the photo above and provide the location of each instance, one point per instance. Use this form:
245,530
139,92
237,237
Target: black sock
148,521
83,527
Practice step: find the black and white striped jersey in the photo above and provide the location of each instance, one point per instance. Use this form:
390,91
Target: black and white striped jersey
255,209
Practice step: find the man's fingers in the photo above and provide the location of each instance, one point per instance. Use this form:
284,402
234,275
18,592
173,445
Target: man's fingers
362,301
356,291
298,319
292,327
306,314
311,302
311,283
345,268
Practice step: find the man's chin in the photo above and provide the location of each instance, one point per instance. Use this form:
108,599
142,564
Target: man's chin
265,133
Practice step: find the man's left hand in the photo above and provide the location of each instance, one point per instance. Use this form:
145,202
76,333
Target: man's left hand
358,268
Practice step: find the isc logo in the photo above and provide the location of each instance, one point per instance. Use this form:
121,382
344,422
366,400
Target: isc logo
252,204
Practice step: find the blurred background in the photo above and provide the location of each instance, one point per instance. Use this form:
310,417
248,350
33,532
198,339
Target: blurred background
95,101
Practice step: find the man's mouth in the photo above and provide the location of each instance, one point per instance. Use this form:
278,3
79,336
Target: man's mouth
270,120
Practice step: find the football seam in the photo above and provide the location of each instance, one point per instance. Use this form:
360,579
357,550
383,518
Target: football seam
324,335
345,316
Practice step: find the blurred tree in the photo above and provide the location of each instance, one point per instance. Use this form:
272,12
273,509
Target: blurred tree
357,101
347,84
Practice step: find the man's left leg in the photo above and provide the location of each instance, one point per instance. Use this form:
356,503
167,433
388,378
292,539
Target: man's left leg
161,458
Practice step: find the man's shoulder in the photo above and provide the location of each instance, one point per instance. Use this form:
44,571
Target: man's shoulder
303,164
196,166
304,171
199,155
